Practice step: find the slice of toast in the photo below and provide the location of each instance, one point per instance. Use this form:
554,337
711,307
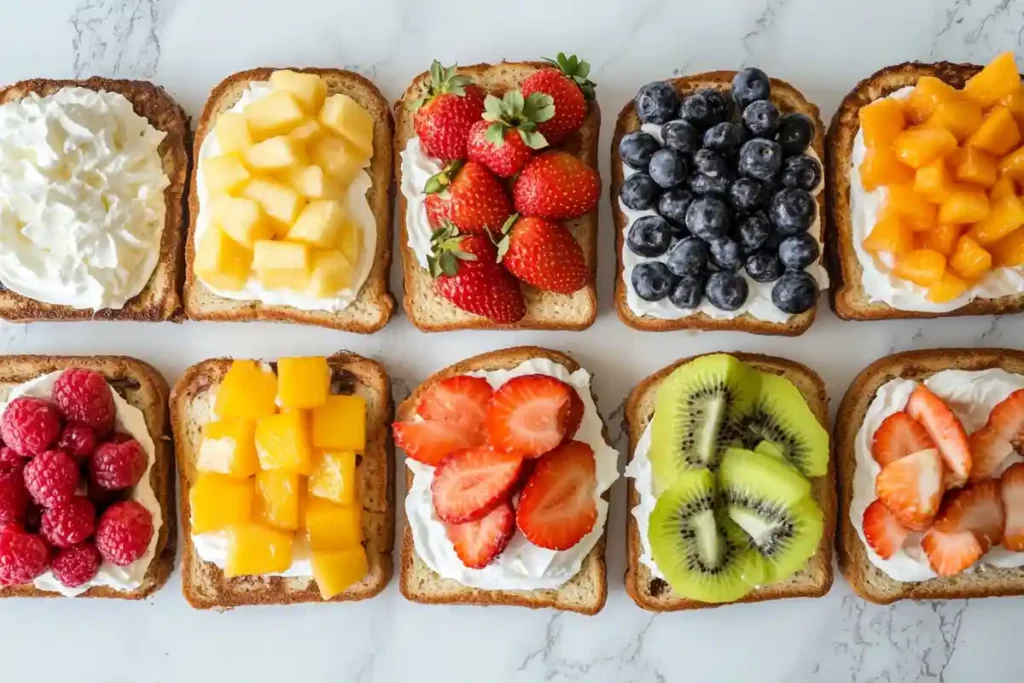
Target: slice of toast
868,581
849,300
374,305
144,388
203,583
788,100
814,580
160,298
584,593
431,312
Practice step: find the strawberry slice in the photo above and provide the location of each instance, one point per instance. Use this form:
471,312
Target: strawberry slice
899,435
1007,419
988,451
950,553
528,415
557,507
911,488
946,431
430,441
977,508
883,531
572,422
469,484
1013,506
460,401
478,543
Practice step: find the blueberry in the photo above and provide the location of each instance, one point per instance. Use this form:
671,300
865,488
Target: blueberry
652,281
700,111
639,192
795,292
747,194
801,171
649,236
725,137
704,185
657,102
760,159
688,291
681,136
726,290
673,205
668,168
636,149
761,118
753,231
718,102
708,218
750,85
792,211
764,266
688,256
795,133
726,255
710,163
799,251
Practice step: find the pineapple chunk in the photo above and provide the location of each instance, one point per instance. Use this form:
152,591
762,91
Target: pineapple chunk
243,219
221,262
320,224
276,114
277,499
232,132
340,160
224,174
351,241
335,572
303,382
340,424
346,118
278,201
308,132
254,549
276,153
229,447
332,527
282,265
282,443
312,183
217,502
308,89
332,272
248,391
334,477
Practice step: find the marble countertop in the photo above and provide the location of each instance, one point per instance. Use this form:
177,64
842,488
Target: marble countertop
822,46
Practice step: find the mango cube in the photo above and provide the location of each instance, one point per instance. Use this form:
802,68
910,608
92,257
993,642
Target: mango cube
254,549
998,79
934,182
974,166
919,213
229,447
334,477
920,146
926,97
222,262
277,200
276,114
303,382
307,132
969,260
282,443
892,235
998,133
1004,187
218,502
922,267
1009,251
332,272
942,238
965,205
308,89
1013,164
335,572
948,288
958,115
347,119
332,527
276,153
243,219
882,167
232,132
340,424
312,182
277,499
1015,103
1006,216
247,391
338,159
224,174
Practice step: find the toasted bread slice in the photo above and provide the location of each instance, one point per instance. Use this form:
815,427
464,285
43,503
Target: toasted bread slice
788,100
144,388
814,580
160,299
584,593
203,583
374,305
431,312
868,581
849,300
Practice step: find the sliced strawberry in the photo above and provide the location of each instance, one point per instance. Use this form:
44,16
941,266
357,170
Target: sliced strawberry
946,431
478,543
460,401
950,553
557,507
911,488
977,508
899,435
576,408
528,415
988,451
883,531
469,484
1007,419
1013,506
430,441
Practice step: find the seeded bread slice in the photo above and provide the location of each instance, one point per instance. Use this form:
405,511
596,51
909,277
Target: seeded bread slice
584,593
374,305
431,312
204,584
160,298
814,580
143,387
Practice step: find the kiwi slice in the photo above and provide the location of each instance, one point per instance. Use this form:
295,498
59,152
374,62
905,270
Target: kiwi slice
692,406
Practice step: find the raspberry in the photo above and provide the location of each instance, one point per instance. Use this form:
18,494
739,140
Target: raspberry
84,396
33,516
9,460
77,440
124,532
51,478
23,556
69,523
76,565
120,437
29,425
13,497
115,466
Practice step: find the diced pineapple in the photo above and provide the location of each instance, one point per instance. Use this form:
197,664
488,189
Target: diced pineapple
933,182
254,549
320,224
1009,251
922,267
881,167
920,146
224,174
277,499
346,118
278,201
306,133
998,133
336,572
340,160
242,218
308,89
941,239
998,79
276,153
332,272
1013,164
948,288
926,96
974,166
965,205
282,265
313,183
334,477
229,447
1006,216
221,262
351,242
915,208
282,442
959,115
232,132
276,114
1003,188
332,527
969,260
303,382
340,424
247,391
217,501
891,235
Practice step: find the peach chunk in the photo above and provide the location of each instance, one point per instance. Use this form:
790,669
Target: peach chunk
1004,187
277,499
1009,251
974,166
926,96
881,167
248,391
969,260
229,447
959,115
941,239
934,182
946,289
218,501
254,549
330,526
920,146
336,571
881,121
282,442
1015,103
965,205
303,382
916,209
998,79
998,133
1006,216
1013,164
922,267
891,234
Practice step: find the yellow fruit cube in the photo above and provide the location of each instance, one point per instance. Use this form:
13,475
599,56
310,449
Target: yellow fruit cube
224,174
340,160
278,201
959,115
340,424
971,165
285,264
941,239
277,499
1015,103
320,223
273,280
1013,164
243,219
282,443
998,133
946,289
890,234
217,502
254,549
334,477
308,89
1006,216
303,382
965,205
920,146
922,266
276,153
346,118
332,527
276,114
351,241
247,391
335,572
312,182
969,260
998,79
1009,251
232,132
1004,187
222,262
926,96
229,447
307,132
332,272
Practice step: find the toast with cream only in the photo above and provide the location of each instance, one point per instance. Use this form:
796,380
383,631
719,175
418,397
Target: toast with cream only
374,305
431,312
203,583
814,580
160,298
788,100
144,388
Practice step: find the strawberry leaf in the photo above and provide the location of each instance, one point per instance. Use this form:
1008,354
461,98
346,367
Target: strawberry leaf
538,107
495,134
533,139
493,109
576,70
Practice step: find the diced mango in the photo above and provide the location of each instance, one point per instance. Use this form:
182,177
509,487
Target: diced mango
243,219
282,442
276,114
965,205
340,160
313,183
222,262
334,477
276,153
340,424
336,572
1013,164
308,89
1015,103
247,391
347,119
1006,216
232,132
933,182
307,132
217,501
881,167
969,260
942,238
1004,187
959,115
321,222
915,208
926,96
277,200
920,146
998,133
332,527
890,234
974,166
254,549
998,79
277,499
922,267
1009,251
224,174
229,447
948,288
332,272
303,382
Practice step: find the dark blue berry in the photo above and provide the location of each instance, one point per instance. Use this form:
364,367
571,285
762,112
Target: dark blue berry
726,290
719,103
753,231
639,192
681,136
761,118
747,194
764,266
688,256
652,281
649,236
688,291
795,292
636,149
799,251
710,163
726,255
795,133
704,185
750,85
801,171
673,205
668,168
657,102
760,159
792,211
725,138
700,111
708,218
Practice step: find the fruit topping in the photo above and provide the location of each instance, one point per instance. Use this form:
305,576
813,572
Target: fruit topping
84,397
649,236
989,451
637,148
254,549
945,430
283,442
23,556
528,415
334,478
339,424
912,488
750,85
657,102
468,484
460,401
556,507
796,131
51,478
29,425
247,391
899,435
218,502
544,254
116,466
950,553
303,383
77,565
229,447
430,441
652,281
479,542
977,508
123,532
276,501
556,185
508,134
69,523
569,89
330,527
476,200
882,531
1012,494
450,106
77,440
335,572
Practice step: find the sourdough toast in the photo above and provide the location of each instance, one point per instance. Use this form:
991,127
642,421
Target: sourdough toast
788,100
160,299
584,593
374,305
431,312
203,583
144,388
814,580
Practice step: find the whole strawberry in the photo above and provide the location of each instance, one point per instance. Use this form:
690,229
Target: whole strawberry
544,254
449,106
84,396
467,273
567,85
476,200
556,185
23,556
29,425
507,135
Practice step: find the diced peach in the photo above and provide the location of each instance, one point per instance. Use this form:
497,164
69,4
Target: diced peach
282,442
926,96
922,267
998,79
933,182
340,424
915,208
1013,164
948,288
277,499
248,390
332,527
334,572
254,549
881,167
1004,187
334,477
892,235
974,166
1006,216
965,205
998,133
229,447
942,238
959,115
969,260
1015,103
881,121
1009,251
920,146
218,501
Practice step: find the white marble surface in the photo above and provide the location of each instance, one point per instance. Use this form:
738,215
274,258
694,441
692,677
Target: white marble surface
822,46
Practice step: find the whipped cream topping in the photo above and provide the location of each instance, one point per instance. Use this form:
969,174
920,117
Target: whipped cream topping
356,203
81,198
971,395
639,468
522,565
876,271
759,301
417,167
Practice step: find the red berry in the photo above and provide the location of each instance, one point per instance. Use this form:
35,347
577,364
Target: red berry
77,440
23,556
504,158
116,466
467,273
556,185
76,566
13,497
51,478
477,202
556,507
69,523
544,254
124,532
449,106
569,89
10,460
85,397
29,425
